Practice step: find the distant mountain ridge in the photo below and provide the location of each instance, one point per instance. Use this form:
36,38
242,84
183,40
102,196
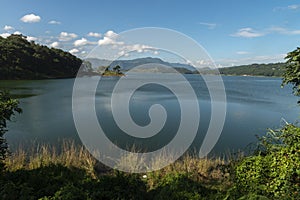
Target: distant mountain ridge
21,59
127,65
271,69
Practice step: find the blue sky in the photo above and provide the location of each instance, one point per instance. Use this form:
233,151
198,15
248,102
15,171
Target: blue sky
232,31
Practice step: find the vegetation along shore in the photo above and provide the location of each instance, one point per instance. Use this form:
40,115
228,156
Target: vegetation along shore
271,171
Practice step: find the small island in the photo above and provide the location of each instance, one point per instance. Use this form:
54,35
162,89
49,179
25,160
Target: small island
115,71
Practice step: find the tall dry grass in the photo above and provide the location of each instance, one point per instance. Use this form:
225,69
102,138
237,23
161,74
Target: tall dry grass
207,170
69,155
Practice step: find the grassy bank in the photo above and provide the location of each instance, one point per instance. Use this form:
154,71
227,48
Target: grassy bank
73,173
271,172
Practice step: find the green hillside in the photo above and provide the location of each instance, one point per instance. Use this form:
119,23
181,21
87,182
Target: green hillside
21,59
272,69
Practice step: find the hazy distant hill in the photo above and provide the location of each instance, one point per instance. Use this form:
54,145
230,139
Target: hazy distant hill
98,62
272,69
129,64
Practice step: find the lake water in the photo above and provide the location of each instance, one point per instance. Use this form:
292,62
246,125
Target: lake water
254,104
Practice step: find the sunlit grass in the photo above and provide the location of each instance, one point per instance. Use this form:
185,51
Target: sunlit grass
211,171
70,155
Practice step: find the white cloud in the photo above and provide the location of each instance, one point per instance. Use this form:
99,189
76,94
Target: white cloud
81,42
247,33
64,36
111,34
8,28
54,22
30,38
208,25
110,38
17,33
293,7
250,60
54,44
293,32
5,35
284,31
125,50
30,18
200,63
106,41
289,7
109,41
242,52
140,48
121,53
250,33
92,34
74,51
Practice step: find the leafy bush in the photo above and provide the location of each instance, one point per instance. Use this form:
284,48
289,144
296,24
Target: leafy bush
56,182
275,170
118,186
181,186
70,192
8,107
37,183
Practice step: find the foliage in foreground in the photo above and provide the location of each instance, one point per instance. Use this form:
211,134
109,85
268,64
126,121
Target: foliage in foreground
8,107
275,169
273,172
74,174
292,73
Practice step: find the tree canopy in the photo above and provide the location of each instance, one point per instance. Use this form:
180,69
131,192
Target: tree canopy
21,59
292,73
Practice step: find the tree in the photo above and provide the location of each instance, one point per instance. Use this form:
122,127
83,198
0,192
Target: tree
107,69
292,73
117,69
8,107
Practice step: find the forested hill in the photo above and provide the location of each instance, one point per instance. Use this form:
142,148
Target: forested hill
20,59
272,69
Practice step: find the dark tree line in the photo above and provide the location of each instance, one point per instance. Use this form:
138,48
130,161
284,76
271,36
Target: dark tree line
272,69
21,59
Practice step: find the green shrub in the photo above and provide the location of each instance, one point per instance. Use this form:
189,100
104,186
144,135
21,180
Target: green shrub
181,186
253,197
275,170
8,107
118,186
40,182
70,192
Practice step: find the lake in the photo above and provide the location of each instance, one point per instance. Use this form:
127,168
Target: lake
254,104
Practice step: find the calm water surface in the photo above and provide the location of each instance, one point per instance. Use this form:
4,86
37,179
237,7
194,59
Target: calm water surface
253,105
